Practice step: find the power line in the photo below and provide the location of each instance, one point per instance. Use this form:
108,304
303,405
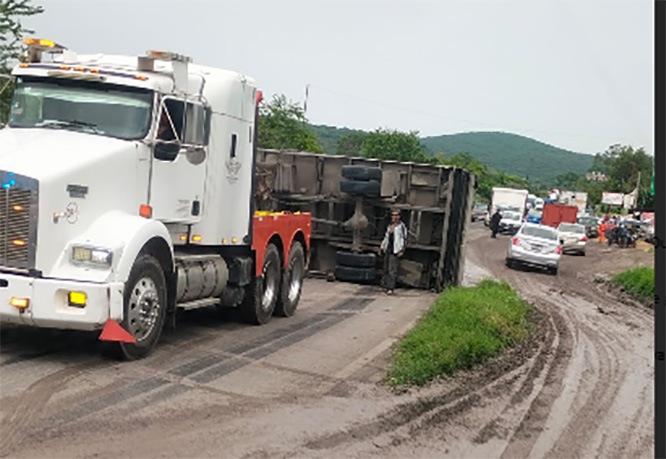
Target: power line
447,117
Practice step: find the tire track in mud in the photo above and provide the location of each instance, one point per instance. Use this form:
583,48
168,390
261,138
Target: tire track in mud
599,337
25,417
490,380
23,409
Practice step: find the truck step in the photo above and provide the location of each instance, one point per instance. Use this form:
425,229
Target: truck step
196,304
188,257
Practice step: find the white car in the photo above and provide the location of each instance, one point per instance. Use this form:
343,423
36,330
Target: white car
538,204
572,237
535,245
510,222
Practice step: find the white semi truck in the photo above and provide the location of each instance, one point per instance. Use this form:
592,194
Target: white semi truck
127,192
575,198
507,199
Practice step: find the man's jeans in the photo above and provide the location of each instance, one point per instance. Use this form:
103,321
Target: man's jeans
390,270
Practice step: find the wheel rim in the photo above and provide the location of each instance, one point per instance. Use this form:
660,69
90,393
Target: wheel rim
144,307
269,283
296,280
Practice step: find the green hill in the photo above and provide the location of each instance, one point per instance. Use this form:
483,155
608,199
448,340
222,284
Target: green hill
510,153
328,136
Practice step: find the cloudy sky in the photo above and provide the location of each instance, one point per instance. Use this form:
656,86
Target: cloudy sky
575,74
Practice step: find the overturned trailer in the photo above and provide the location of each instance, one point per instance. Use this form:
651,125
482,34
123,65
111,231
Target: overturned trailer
350,201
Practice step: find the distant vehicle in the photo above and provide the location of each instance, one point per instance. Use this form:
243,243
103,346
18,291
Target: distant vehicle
535,245
479,211
554,214
507,198
574,198
531,199
538,204
510,222
591,226
534,216
572,237
621,236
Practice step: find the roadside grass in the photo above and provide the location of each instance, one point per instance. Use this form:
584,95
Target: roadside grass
464,327
638,282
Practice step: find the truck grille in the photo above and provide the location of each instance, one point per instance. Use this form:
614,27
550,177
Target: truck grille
18,221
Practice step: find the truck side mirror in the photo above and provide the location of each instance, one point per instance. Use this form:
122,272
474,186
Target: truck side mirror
166,151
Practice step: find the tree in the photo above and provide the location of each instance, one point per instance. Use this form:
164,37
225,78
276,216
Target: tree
351,144
567,181
623,164
283,126
11,45
394,145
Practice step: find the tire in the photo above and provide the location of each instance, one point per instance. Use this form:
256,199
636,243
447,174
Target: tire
370,189
553,271
346,273
356,260
362,173
145,292
292,282
509,263
263,291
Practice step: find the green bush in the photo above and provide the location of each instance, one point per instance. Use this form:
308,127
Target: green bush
638,282
465,326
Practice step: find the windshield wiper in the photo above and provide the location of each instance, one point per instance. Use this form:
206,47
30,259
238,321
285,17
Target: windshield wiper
70,123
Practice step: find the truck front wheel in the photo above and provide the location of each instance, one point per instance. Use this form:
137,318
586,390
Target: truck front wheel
144,309
263,292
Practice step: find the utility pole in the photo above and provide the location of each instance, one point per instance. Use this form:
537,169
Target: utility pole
305,102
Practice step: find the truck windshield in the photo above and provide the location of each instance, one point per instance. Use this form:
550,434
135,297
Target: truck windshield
97,108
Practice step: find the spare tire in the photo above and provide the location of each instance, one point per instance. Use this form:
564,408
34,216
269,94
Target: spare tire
370,189
356,260
346,273
362,173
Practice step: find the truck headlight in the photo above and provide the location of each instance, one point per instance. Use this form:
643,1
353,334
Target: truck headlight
99,257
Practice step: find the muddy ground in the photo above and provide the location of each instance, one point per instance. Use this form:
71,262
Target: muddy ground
311,386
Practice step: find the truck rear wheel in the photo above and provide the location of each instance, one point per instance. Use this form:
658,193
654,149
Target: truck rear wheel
346,273
144,309
263,292
362,173
292,282
356,260
357,188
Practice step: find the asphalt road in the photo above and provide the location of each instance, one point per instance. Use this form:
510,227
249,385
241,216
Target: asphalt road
310,386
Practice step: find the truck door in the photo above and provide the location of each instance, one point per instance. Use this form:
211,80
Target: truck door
179,161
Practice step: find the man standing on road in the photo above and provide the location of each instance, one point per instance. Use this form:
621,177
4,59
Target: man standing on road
393,247
494,223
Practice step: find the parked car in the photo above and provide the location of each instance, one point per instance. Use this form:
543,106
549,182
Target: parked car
572,237
591,226
479,211
510,222
535,245
534,216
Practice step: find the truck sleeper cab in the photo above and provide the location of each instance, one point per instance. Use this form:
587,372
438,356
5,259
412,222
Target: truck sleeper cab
128,193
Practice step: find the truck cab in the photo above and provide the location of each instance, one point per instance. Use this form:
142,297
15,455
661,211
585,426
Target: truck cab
128,186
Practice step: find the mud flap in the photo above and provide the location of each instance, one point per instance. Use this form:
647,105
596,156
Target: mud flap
114,332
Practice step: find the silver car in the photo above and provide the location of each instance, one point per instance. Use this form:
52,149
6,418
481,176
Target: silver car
535,245
573,238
